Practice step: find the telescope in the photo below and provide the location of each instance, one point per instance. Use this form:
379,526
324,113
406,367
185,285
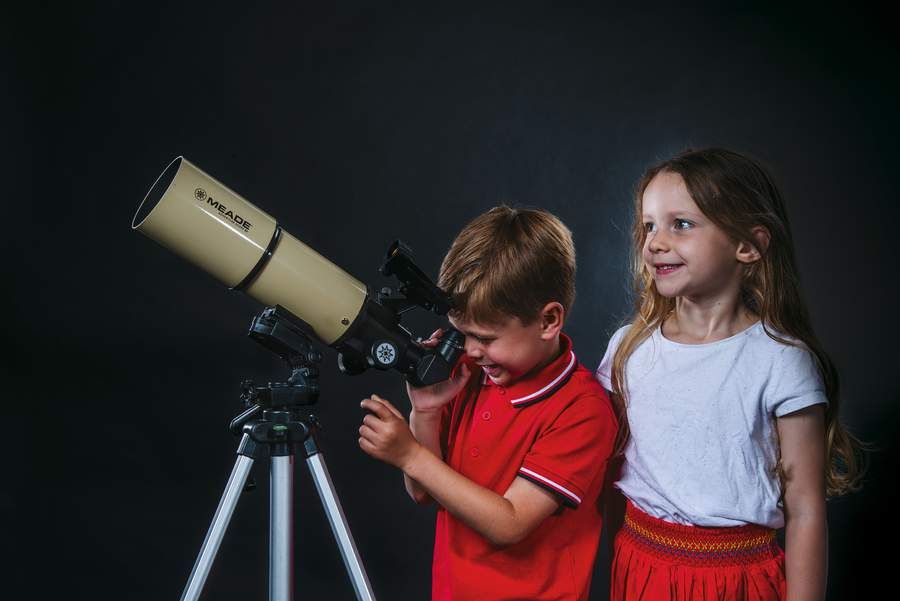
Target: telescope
307,298
203,221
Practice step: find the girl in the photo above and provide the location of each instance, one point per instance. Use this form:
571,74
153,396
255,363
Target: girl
731,402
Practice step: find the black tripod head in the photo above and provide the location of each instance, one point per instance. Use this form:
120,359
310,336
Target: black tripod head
281,332
272,412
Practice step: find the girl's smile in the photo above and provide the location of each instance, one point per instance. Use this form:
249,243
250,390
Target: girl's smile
664,269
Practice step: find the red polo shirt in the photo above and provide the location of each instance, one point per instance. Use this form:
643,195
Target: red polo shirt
557,429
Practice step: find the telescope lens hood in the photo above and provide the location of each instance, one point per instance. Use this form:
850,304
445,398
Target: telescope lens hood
156,193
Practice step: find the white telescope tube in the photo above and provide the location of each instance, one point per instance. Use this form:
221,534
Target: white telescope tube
213,227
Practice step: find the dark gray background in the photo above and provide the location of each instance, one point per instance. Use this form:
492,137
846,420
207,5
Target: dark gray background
354,124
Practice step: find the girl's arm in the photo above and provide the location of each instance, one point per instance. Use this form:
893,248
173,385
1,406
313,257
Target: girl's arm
802,439
611,499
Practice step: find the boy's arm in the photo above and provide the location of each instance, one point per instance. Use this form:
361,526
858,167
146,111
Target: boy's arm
428,405
426,427
503,520
802,439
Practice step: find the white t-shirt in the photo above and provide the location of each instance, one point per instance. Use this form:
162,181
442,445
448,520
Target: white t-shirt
703,444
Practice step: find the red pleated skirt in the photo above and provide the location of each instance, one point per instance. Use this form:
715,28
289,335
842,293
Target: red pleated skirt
655,560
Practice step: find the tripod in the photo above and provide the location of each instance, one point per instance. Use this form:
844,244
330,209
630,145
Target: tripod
273,424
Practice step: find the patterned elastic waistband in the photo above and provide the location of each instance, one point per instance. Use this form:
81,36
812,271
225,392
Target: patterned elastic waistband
697,545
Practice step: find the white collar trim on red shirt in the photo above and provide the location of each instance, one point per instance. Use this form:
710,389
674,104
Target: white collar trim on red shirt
555,382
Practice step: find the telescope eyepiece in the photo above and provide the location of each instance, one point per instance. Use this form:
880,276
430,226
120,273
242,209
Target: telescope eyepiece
437,365
451,345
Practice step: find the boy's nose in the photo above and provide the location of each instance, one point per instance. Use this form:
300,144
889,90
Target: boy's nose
473,349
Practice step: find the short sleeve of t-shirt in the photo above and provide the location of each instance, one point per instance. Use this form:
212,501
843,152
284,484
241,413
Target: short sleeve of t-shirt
796,382
604,371
572,452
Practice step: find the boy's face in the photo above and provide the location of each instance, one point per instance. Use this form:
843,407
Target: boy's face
509,350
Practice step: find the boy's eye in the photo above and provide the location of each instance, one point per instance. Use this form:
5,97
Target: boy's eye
683,224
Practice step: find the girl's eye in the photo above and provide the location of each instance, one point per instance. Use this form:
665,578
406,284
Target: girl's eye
649,227
683,224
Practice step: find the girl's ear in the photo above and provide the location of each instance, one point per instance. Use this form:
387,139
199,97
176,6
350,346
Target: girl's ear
750,251
552,317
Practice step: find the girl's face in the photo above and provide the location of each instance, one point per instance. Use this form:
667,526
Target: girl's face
686,253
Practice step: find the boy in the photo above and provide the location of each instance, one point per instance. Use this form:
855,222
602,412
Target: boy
516,455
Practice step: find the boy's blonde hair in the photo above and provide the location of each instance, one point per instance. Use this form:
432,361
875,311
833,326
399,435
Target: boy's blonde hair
509,263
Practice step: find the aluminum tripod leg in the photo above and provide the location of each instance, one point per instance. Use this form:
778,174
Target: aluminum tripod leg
281,529
216,531
339,527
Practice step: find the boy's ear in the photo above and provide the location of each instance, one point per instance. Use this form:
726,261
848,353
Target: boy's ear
750,251
552,317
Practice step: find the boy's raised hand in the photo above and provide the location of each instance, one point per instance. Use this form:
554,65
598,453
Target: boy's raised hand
384,434
428,399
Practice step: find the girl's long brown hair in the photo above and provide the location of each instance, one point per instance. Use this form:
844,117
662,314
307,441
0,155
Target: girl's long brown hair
737,194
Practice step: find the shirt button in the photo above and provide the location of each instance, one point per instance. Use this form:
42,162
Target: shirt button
501,390
474,452
486,415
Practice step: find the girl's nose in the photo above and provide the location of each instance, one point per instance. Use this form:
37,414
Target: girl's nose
657,242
